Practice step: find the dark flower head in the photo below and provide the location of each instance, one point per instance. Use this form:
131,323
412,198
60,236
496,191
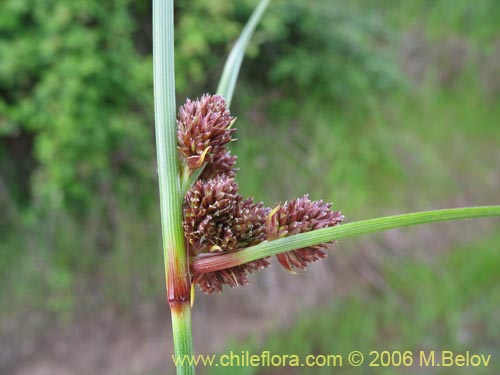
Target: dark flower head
248,228
209,209
217,219
203,129
299,216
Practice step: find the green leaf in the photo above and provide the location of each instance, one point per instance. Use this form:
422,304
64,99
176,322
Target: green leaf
265,249
235,58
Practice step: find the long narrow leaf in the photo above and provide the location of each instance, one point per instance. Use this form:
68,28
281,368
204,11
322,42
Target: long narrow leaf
231,70
264,249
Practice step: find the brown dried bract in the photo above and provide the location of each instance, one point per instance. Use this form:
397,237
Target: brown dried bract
212,282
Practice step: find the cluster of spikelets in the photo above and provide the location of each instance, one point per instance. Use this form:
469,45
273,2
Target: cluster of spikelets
217,218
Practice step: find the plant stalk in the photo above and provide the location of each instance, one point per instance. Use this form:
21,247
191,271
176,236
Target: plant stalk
216,262
174,251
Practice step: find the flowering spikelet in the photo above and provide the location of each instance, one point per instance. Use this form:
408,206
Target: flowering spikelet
299,216
209,211
217,219
249,224
203,130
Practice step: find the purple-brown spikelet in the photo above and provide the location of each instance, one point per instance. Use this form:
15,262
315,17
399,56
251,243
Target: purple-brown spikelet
299,216
203,130
249,224
209,209
216,220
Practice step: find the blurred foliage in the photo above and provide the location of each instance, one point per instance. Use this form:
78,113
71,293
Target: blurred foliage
332,51
77,82
72,79
477,20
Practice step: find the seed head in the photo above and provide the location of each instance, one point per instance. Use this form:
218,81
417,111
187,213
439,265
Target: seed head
209,209
217,219
299,216
203,129
249,223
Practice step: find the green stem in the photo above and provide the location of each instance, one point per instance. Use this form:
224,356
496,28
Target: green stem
174,251
181,329
216,262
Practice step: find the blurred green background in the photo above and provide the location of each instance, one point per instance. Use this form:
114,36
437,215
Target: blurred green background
379,106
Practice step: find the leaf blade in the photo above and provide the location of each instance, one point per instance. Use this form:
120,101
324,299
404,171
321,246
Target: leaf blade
232,66
222,261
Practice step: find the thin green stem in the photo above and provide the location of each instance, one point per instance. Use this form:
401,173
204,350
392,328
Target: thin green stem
184,179
181,329
210,263
175,257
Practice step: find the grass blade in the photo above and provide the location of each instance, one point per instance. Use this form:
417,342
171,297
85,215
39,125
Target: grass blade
264,249
231,70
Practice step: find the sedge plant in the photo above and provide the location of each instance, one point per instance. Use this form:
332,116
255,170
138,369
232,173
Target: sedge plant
212,236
